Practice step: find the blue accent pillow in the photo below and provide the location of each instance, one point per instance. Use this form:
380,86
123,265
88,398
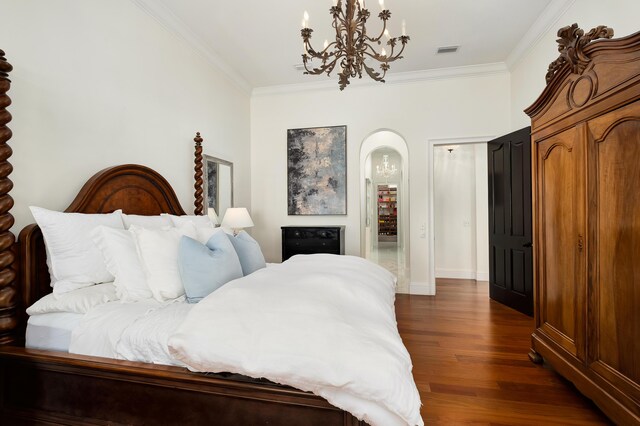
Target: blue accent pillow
249,253
205,268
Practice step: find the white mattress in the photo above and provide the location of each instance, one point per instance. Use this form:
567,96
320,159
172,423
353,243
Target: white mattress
51,331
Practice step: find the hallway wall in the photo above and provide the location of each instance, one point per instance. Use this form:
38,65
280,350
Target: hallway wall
460,208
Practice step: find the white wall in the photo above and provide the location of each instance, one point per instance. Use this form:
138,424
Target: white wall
482,212
454,205
461,211
101,83
527,75
455,107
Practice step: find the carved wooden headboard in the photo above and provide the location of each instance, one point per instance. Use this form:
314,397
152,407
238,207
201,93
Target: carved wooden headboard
134,189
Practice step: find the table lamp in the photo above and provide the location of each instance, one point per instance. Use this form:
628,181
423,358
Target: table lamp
237,218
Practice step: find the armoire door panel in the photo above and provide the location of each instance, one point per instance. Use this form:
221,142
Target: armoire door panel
560,162
616,273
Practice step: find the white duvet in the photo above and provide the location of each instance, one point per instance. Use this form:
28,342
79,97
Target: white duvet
320,323
131,331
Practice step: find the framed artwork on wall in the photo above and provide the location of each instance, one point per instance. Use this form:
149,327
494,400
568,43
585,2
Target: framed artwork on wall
317,171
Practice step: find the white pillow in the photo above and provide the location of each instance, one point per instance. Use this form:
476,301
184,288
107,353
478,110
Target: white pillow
74,260
158,251
158,221
79,301
120,254
197,220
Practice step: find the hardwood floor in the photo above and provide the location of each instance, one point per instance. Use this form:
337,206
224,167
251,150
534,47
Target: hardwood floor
471,367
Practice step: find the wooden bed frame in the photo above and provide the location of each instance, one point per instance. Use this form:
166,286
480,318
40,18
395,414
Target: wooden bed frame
48,387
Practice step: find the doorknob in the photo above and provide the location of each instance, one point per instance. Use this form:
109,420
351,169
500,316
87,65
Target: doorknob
527,245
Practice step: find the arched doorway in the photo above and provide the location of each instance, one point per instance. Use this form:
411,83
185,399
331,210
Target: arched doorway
384,188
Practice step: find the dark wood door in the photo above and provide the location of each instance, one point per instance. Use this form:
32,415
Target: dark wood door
510,235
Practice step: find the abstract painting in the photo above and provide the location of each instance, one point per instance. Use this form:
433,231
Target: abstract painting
317,171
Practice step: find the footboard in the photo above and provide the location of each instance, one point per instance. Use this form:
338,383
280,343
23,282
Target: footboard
55,388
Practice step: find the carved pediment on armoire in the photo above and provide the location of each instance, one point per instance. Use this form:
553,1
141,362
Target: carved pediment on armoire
587,73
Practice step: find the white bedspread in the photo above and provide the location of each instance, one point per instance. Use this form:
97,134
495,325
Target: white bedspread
320,323
131,331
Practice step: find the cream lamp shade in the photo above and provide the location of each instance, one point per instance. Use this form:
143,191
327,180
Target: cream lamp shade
237,218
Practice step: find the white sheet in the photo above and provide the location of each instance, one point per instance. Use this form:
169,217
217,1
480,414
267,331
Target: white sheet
51,331
320,323
131,331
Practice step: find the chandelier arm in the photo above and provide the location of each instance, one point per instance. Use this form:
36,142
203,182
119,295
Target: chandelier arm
322,55
397,55
327,64
324,52
373,53
331,66
322,69
384,28
391,57
339,23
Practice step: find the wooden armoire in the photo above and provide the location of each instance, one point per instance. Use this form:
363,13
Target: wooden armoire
586,205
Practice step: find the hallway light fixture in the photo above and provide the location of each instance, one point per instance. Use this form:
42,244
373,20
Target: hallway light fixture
352,44
386,170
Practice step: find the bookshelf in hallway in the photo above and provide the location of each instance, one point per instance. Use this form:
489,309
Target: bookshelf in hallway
387,213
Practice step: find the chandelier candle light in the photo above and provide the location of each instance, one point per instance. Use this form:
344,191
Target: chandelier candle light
386,171
352,44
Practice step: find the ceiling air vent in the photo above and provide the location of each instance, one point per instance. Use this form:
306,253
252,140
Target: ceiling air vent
448,49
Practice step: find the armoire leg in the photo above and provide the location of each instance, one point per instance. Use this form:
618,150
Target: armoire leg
535,357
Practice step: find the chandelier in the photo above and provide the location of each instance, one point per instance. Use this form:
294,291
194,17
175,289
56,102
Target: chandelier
352,44
386,171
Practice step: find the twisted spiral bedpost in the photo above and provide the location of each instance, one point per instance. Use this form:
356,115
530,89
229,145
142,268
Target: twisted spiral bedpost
199,199
8,292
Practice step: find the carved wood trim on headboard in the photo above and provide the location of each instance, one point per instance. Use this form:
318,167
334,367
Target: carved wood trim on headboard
133,188
8,291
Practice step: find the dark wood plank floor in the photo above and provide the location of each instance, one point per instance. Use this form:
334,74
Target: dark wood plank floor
470,362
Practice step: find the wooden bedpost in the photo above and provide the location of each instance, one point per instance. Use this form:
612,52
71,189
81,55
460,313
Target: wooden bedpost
8,293
199,200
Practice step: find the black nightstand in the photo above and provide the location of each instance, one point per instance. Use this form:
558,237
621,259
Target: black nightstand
312,239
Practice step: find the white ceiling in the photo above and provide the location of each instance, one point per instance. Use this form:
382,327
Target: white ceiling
260,41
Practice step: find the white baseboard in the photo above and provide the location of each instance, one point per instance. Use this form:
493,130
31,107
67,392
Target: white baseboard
421,289
461,274
458,274
482,276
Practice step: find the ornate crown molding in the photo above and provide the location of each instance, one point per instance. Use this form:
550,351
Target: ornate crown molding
571,46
